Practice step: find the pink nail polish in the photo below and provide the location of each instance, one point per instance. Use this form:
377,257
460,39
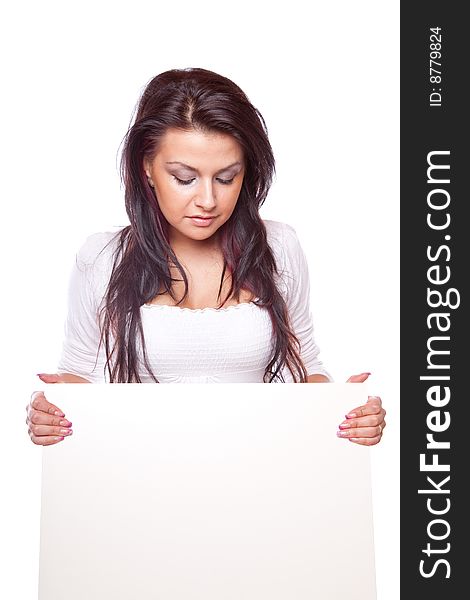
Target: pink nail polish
351,416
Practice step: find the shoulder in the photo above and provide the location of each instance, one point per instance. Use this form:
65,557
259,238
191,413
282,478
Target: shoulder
291,262
283,240
279,232
93,265
98,249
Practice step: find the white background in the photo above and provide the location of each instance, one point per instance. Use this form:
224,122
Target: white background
326,81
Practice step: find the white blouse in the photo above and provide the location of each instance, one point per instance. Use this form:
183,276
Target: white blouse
208,345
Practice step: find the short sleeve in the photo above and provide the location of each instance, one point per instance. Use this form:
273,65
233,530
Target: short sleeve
295,286
87,285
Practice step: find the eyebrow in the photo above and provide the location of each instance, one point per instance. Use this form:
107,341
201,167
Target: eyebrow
181,164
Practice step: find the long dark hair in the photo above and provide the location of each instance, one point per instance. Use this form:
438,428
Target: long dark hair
189,99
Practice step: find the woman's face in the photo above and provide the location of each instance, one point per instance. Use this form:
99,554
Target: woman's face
197,178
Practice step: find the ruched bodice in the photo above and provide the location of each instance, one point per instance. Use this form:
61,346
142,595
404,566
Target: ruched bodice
208,345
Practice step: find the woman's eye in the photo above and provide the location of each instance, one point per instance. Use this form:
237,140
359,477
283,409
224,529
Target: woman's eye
183,181
189,181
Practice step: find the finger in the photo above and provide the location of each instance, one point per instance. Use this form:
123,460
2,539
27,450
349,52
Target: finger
49,377
39,402
367,421
366,441
45,440
360,432
47,430
374,400
358,378
40,418
371,408
30,407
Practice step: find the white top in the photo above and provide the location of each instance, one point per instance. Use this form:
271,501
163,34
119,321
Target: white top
208,345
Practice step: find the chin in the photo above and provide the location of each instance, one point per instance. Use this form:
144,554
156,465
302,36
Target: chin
196,234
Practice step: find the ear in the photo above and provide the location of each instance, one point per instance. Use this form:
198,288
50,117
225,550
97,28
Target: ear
147,167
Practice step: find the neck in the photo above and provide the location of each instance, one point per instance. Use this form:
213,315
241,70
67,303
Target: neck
183,246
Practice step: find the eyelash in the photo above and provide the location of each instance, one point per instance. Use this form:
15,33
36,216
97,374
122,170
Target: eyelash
189,181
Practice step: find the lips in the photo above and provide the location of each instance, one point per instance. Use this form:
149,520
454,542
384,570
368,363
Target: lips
201,221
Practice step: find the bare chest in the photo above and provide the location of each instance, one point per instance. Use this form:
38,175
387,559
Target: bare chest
204,283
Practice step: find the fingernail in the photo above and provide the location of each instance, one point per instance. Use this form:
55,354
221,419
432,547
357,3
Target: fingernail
345,425
342,433
66,423
351,415
59,414
59,439
66,431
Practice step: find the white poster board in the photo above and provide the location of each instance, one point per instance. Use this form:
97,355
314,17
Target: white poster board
206,492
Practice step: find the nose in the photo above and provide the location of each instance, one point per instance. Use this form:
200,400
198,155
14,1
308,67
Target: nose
205,195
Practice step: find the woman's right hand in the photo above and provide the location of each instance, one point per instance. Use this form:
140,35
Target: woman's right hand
47,424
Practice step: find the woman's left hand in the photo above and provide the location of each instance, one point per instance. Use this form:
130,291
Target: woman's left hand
364,425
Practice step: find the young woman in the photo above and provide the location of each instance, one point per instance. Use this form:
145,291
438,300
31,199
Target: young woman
198,288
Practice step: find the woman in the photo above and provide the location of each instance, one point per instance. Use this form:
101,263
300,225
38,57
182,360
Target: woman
198,287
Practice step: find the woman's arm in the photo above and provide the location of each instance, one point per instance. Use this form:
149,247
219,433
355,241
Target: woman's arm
82,353
317,379
61,378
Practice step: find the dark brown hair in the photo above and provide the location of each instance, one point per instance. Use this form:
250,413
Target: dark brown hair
189,99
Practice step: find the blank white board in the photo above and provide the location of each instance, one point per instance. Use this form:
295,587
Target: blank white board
206,492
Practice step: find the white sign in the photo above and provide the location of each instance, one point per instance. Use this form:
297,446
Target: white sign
206,492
